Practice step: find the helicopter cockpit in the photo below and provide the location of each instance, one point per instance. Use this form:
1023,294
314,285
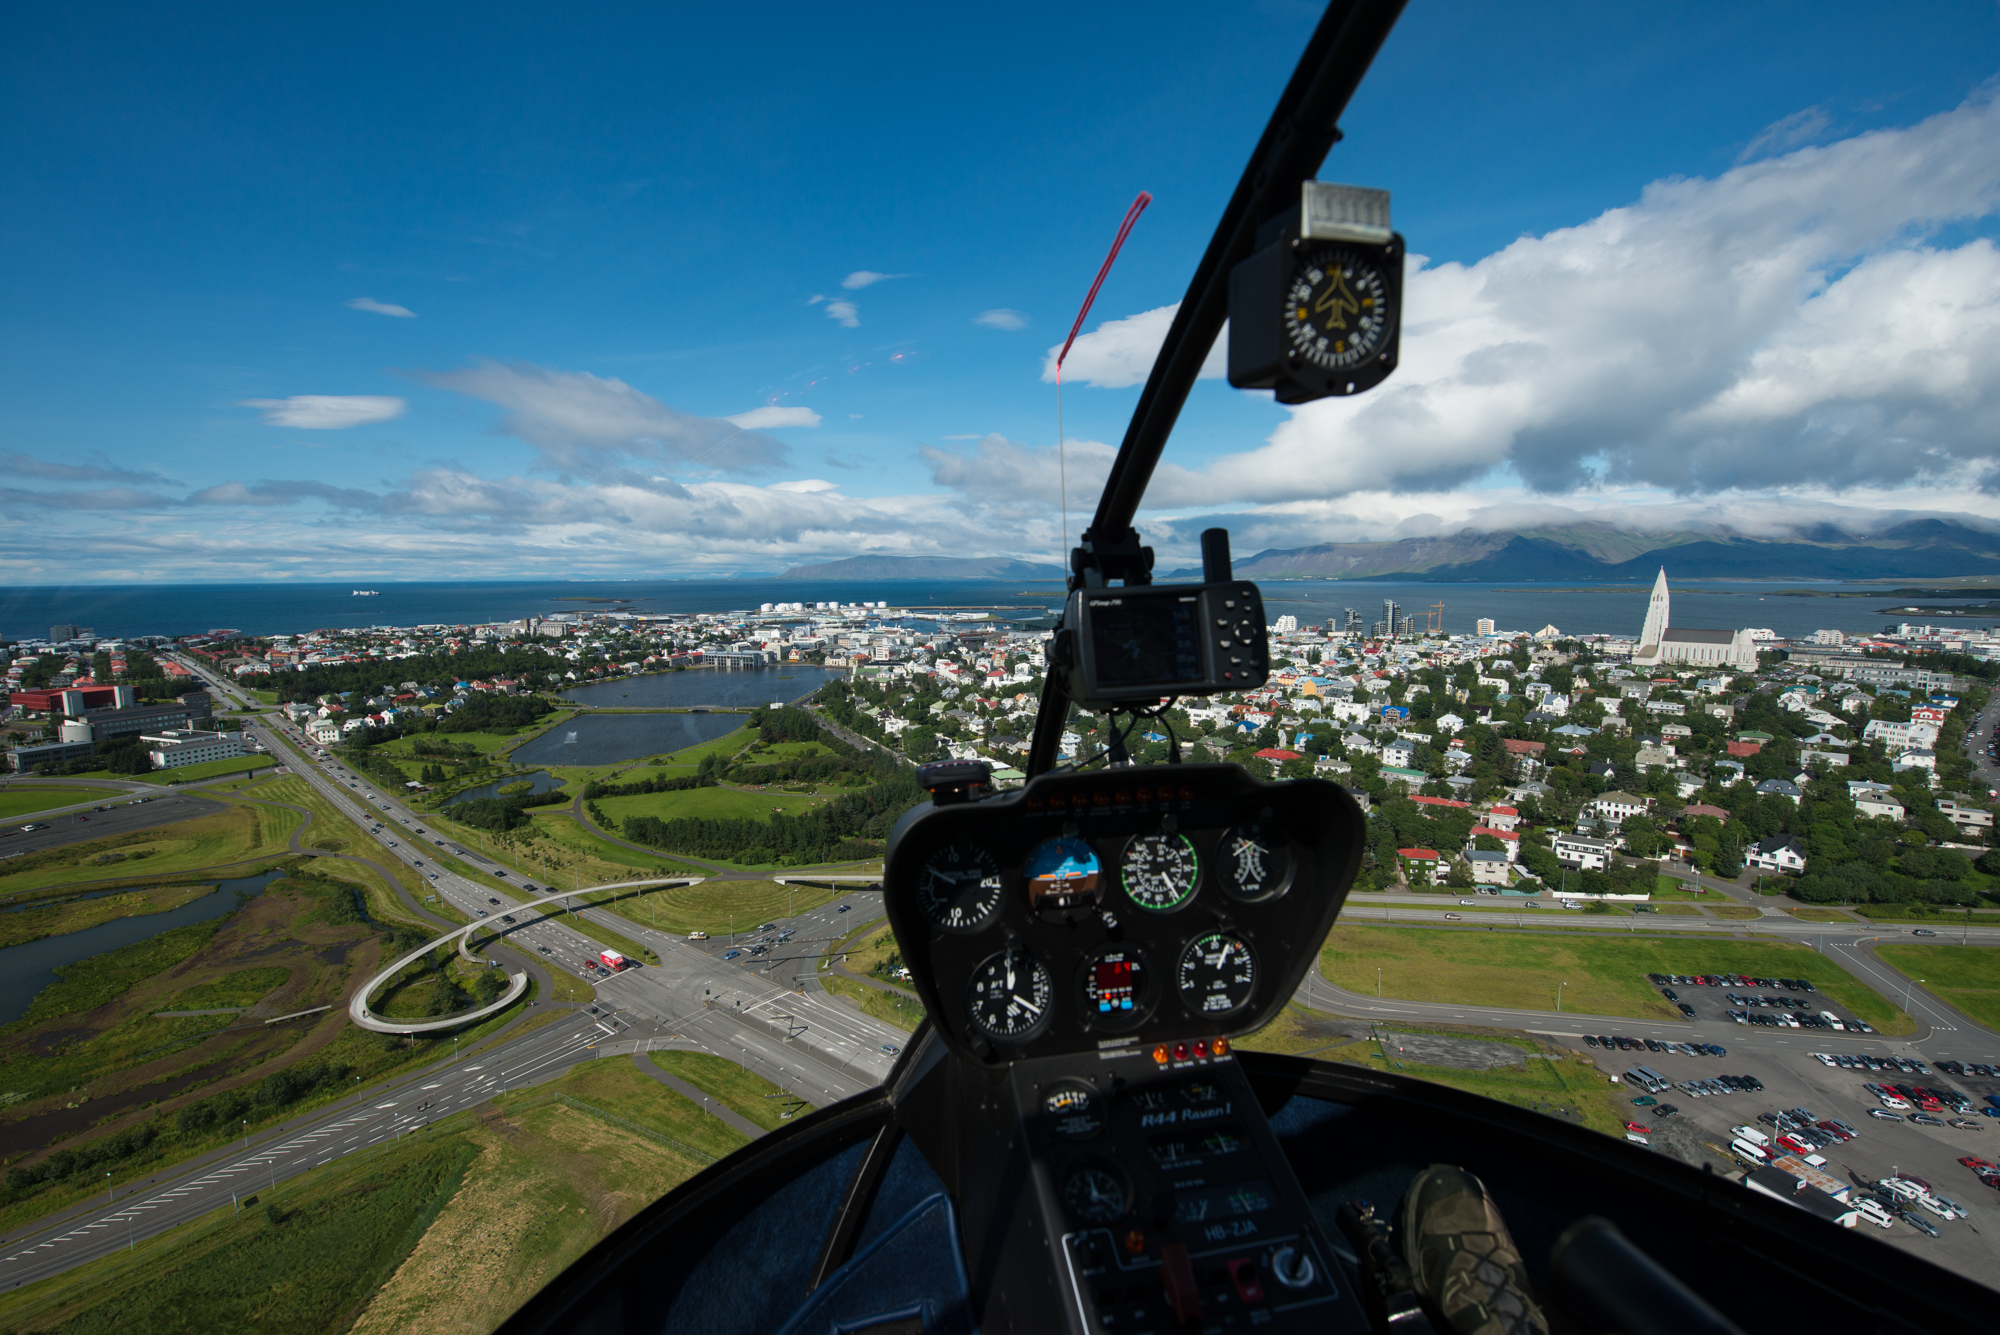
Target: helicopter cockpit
1073,1141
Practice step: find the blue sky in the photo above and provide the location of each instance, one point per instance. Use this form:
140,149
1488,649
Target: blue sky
319,293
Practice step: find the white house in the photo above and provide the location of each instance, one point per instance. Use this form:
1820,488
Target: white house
1780,852
1583,853
1965,817
1487,868
1873,799
1900,736
1920,758
1617,806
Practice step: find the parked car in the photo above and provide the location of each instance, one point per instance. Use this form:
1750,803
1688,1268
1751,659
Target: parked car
1882,1116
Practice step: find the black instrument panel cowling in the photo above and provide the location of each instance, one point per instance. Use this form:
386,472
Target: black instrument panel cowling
1220,962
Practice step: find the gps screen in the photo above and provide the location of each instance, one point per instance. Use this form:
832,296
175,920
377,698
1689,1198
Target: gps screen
1146,640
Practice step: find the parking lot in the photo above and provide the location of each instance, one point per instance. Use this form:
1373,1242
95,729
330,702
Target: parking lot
1793,1077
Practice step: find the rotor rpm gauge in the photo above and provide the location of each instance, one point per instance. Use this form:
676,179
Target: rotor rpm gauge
1096,1192
1336,314
1254,862
1160,872
1009,995
1218,975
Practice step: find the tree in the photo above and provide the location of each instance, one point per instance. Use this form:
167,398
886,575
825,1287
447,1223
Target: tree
1460,875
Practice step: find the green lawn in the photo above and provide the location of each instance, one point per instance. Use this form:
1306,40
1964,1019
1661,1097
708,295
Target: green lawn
1966,976
714,803
190,845
1601,975
752,1096
713,906
1675,887
18,801
486,743
905,1012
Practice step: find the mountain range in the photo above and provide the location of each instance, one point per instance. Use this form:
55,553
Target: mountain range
1927,548
926,567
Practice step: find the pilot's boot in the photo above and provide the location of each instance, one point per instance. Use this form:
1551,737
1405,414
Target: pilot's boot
1462,1258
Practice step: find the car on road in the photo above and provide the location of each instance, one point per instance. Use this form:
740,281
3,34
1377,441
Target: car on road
491,900
1467,901
697,936
1454,917
891,1049
480,912
731,954
1922,931
506,917
845,907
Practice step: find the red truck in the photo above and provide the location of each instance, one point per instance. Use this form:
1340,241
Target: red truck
613,960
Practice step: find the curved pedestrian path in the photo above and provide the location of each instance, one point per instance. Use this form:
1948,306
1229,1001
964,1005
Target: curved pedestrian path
359,1011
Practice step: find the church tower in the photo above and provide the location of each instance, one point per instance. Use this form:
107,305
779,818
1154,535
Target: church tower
1656,612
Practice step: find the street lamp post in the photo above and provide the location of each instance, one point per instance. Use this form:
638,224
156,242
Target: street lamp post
1559,997
1378,983
1906,995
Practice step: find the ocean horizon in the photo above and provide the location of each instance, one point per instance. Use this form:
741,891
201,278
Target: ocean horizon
268,608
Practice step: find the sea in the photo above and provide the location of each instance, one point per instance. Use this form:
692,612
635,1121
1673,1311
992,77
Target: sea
124,611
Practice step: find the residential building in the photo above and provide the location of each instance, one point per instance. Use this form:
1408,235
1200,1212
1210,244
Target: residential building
1510,842
1780,788
1897,737
1617,806
1965,817
1487,868
1780,852
1584,853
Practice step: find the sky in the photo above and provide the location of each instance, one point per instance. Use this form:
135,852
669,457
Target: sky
467,292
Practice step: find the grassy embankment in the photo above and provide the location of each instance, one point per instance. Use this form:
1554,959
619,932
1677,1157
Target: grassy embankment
868,949
717,907
1550,1079
1602,975
19,801
1966,976
751,1096
213,769
239,835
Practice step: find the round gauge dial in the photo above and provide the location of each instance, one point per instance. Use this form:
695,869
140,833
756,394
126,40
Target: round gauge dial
1117,987
1008,997
1253,862
1218,974
1063,873
1160,872
1096,1193
1074,1110
1337,308
959,887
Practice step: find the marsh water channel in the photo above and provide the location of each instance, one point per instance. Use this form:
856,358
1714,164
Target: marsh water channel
26,969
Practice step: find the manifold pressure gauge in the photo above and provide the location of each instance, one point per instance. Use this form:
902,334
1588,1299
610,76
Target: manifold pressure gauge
1317,310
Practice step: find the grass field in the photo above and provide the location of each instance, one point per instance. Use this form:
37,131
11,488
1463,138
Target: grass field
1675,887
1735,912
213,769
1966,976
1939,917
59,919
1554,1081
751,1096
236,835
1601,975
17,801
717,907
897,1008
304,1259
712,803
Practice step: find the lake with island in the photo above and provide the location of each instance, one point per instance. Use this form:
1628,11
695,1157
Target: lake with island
606,739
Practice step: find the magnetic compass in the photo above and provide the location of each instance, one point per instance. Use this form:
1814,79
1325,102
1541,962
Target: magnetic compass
1337,315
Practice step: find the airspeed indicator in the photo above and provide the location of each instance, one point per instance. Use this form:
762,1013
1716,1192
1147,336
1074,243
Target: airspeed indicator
1160,872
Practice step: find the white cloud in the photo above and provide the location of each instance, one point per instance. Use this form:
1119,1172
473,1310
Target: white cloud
844,313
762,419
1786,133
588,423
1788,325
328,412
381,308
1002,319
861,278
1120,353
1005,474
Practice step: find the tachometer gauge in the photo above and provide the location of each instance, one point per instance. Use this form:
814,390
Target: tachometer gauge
1095,1192
1253,862
1073,1109
1063,873
1160,872
1218,975
1008,998
1117,987
959,887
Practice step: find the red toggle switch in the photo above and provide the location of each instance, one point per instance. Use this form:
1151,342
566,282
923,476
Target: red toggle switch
1177,1272
1243,1274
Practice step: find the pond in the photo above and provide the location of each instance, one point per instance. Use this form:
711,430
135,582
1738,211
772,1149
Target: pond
605,739
538,782
735,687
25,970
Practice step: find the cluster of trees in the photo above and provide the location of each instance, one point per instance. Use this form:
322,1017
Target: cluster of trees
659,783
91,1158
370,677
506,811
494,713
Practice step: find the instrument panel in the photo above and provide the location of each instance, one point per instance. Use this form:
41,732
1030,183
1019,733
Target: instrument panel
1126,906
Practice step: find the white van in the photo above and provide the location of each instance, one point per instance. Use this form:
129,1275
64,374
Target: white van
1833,1020
1748,1152
697,936
1751,1134
1873,1213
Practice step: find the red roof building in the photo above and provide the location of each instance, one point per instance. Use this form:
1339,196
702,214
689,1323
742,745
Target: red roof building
1440,802
1703,809
1745,748
1417,854
1505,836
1516,747
1278,754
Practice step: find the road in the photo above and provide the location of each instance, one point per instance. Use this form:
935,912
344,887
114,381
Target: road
122,815
266,1162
